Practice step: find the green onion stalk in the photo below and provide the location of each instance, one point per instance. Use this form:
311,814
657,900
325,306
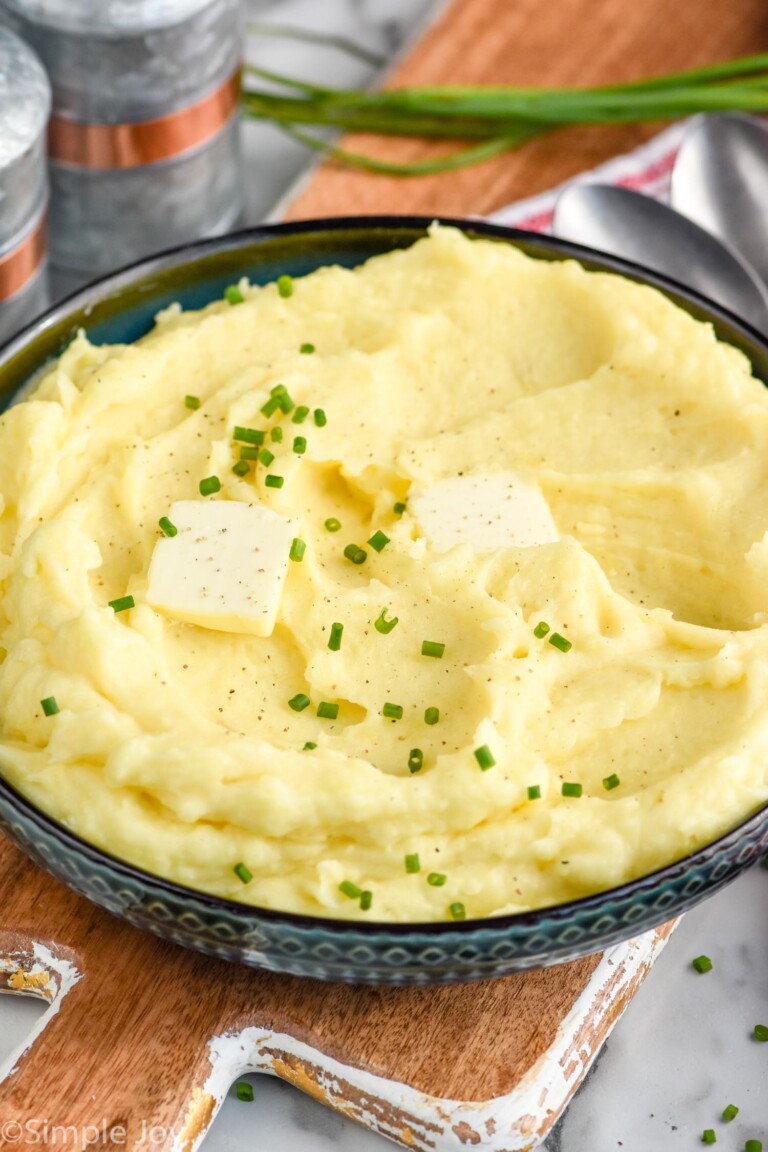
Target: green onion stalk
493,119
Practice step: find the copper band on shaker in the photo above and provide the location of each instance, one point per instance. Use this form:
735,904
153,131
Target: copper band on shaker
21,263
145,141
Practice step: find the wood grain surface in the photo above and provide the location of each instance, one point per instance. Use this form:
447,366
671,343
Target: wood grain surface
533,42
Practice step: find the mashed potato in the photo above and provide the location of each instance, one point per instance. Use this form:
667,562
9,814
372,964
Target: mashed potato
174,745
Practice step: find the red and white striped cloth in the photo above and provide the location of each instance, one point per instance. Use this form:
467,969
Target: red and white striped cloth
647,169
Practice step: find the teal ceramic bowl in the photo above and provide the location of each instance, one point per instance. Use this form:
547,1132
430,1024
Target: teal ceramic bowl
121,309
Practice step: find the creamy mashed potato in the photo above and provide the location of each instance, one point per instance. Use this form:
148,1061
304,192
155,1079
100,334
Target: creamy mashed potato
174,745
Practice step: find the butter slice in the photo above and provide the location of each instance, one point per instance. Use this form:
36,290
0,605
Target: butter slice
500,510
226,567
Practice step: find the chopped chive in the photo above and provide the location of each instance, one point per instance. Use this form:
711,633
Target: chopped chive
560,642
192,402
332,524
299,702
168,528
753,1146
350,889
399,508
49,706
327,711
415,760
285,286
366,899
299,445
306,349
378,541
209,485
484,757
708,1136
320,418
534,791
233,295
271,406
611,782
334,641
300,414
249,451
273,481
412,863
243,872
278,390
276,435
541,629
248,435
122,604
702,964
457,911
356,554
309,745
432,648
436,879
381,624
760,1032
571,789
730,1112
244,1091
241,468
286,405
431,715
392,711
298,548
266,457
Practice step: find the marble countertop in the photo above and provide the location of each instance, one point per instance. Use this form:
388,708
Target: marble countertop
683,1049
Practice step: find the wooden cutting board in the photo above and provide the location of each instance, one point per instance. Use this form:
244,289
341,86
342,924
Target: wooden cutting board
143,1039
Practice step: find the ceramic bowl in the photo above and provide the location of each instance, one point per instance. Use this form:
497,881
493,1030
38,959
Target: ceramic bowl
120,309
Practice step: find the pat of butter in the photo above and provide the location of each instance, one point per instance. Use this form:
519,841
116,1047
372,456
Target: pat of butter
224,569
500,510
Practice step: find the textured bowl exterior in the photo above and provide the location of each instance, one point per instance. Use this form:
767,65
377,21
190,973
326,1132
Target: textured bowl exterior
121,308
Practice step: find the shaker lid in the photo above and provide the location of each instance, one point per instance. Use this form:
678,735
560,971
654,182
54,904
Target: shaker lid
107,16
25,97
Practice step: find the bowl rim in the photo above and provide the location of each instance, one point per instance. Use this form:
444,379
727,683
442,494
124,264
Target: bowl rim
105,287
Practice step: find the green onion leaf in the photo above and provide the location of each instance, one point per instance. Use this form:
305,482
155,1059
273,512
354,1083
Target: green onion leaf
415,760
381,624
366,899
299,702
209,485
327,711
611,782
399,508
431,715
167,528
244,1091
378,541
233,294
286,405
457,911
541,629
356,554
534,792
573,790
243,873
708,1136
192,402
484,757
702,964
49,706
436,879
248,435
241,468
276,435
753,1146
730,1112
122,604
350,889
298,548
760,1032
266,457
272,481
285,286
320,418
306,349
332,524
560,642
300,414
432,648
300,446
249,452
392,711
309,745
412,863
334,641
271,406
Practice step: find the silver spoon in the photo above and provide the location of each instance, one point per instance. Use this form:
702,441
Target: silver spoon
720,180
637,228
